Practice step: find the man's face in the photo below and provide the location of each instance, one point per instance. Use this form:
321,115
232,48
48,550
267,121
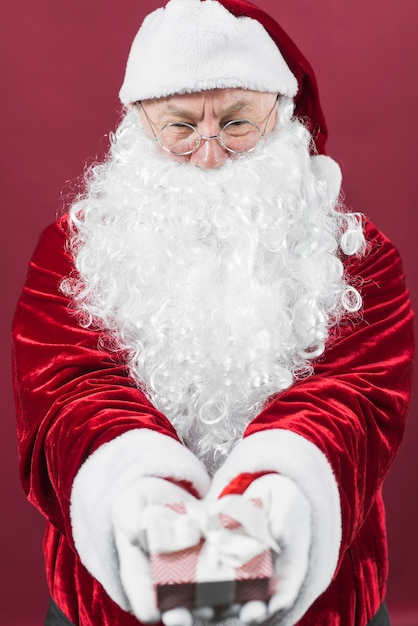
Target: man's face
208,112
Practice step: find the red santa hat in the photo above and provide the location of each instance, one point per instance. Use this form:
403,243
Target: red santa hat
195,45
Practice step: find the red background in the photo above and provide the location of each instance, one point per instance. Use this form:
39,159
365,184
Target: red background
61,67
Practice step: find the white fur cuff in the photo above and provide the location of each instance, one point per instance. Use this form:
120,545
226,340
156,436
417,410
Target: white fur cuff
110,469
297,458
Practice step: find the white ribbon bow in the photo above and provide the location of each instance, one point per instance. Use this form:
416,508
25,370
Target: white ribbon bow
163,530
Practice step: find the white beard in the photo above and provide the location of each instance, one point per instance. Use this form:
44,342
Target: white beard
221,285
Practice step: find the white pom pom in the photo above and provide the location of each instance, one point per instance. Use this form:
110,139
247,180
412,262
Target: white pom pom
329,171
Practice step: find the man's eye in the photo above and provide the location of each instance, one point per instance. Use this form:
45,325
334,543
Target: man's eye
237,122
177,128
238,128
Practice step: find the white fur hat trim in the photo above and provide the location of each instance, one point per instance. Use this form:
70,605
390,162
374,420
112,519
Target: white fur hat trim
191,46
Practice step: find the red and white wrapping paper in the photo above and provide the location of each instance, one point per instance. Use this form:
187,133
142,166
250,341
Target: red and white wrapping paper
209,553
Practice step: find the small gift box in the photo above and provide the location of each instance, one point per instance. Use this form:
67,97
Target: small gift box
209,553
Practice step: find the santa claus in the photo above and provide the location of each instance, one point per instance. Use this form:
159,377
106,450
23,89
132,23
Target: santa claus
208,324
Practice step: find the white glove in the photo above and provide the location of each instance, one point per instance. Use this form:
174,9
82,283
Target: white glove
109,492
134,564
289,517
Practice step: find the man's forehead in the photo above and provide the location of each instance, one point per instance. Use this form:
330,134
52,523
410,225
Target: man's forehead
219,101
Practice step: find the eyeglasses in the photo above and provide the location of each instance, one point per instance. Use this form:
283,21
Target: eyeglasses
236,136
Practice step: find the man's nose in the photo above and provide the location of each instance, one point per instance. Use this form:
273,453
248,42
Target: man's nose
210,154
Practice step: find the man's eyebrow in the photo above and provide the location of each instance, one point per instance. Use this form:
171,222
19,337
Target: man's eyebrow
171,109
238,106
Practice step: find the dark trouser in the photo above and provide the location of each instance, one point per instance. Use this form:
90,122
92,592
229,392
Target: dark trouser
55,617
381,618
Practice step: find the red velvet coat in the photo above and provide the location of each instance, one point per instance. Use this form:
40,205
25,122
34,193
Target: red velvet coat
72,398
